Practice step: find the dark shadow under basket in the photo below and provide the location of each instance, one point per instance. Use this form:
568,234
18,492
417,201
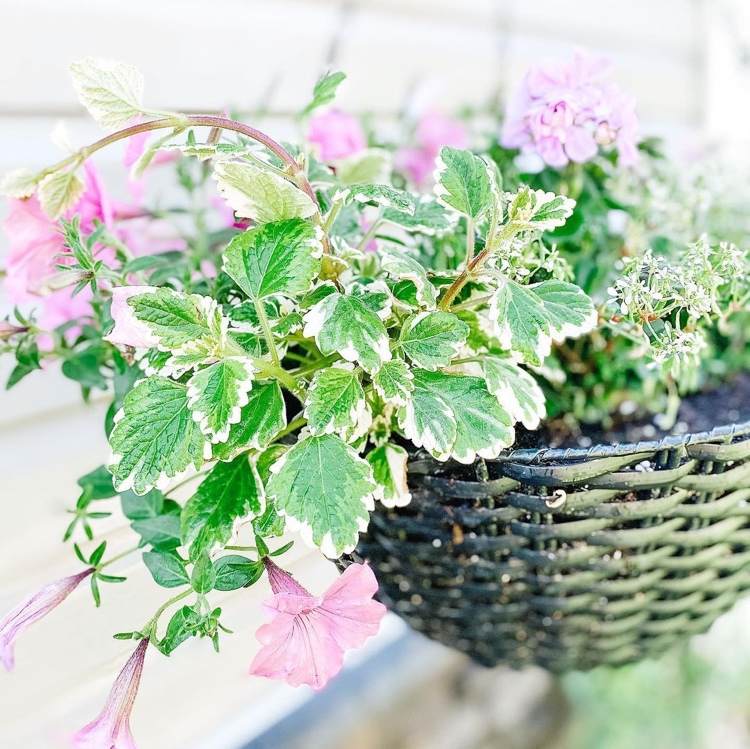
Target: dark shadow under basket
570,558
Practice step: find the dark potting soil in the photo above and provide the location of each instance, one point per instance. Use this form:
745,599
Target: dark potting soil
701,412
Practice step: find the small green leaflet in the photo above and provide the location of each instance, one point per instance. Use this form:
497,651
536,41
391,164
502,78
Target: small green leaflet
261,195
217,394
462,183
234,571
324,91
325,491
433,339
281,258
389,470
538,210
335,403
177,319
203,576
453,415
167,570
229,492
400,266
368,166
382,195
261,419
516,390
58,192
393,382
528,318
346,325
111,91
155,437
429,217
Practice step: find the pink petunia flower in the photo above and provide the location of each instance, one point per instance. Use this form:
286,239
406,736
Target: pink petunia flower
111,728
128,329
434,130
305,640
564,112
31,609
336,135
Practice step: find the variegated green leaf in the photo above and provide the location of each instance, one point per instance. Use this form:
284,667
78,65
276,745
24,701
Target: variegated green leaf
400,266
393,382
429,217
373,165
462,183
325,490
433,339
538,210
516,390
19,183
570,311
335,403
58,192
455,416
324,91
388,463
155,437
382,195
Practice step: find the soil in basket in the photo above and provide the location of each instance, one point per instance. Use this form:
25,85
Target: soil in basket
700,412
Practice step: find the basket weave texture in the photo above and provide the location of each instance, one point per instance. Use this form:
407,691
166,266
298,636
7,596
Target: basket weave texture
570,559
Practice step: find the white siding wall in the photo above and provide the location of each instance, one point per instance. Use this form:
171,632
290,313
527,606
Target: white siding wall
243,53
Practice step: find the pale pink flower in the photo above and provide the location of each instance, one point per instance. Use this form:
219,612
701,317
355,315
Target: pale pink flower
111,728
336,135
564,112
434,130
31,609
128,329
305,640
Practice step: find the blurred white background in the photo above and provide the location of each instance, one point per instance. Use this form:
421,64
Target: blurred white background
686,61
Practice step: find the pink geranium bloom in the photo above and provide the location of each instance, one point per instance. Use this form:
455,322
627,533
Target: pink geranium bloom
434,130
31,609
128,329
305,640
111,729
336,135
564,112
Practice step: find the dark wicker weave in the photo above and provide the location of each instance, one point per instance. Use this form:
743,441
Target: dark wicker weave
570,558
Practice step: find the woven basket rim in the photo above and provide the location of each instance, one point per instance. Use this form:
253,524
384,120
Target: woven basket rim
724,433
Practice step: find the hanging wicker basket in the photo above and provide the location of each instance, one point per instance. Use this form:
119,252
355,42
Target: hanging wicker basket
570,558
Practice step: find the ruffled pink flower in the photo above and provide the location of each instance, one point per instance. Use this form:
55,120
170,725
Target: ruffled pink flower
336,135
30,610
111,729
434,130
305,640
565,112
128,329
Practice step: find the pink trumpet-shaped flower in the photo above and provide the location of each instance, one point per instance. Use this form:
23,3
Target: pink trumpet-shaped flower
336,135
33,608
305,640
128,329
111,729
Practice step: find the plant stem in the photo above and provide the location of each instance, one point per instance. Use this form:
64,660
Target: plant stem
293,426
324,362
267,332
469,240
150,629
370,233
268,369
117,557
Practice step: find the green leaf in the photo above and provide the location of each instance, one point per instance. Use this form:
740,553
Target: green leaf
382,195
348,326
137,507
261,419
324,91
234,571
230,491
528,318
111,91
453,415
462,183
400,266
217,394
58,192
335,402
539,210
433,339
98,483
261,195
184,624
429,217
155,437
162,532
389,470
204,575
516,390
325,490
373,165
19,183
281,258
177,319
166,569
394,382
